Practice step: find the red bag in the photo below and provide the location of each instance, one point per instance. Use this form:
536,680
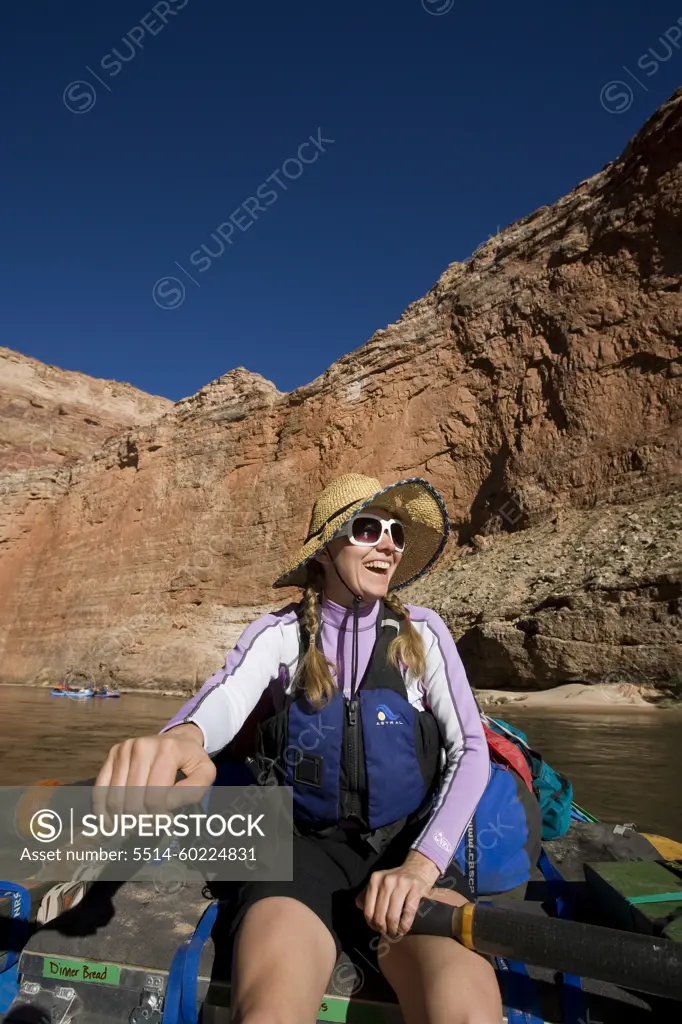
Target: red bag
506,752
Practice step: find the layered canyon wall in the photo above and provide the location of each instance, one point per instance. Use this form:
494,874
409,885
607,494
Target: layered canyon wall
537,385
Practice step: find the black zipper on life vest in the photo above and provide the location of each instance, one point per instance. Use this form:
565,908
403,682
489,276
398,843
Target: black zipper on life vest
353,758
354,808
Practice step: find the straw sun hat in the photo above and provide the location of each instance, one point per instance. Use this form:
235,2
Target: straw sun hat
414,501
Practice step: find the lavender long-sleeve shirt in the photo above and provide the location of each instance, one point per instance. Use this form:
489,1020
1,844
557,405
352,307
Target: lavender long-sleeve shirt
266,655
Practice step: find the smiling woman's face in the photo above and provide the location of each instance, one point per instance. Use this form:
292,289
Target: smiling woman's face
367,571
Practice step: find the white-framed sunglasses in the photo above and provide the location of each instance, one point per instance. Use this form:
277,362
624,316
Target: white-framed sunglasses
365,530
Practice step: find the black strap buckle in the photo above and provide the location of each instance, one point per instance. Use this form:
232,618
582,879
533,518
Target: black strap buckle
380,838
308,769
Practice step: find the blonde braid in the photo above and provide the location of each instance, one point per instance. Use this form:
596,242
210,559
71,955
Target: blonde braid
408,646
314,667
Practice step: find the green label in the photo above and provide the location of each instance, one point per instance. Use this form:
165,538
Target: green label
343,1011
81,970
330,1010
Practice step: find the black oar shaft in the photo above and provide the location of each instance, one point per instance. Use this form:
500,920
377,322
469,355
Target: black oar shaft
640,962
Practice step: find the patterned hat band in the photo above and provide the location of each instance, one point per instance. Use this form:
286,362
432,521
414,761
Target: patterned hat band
328,521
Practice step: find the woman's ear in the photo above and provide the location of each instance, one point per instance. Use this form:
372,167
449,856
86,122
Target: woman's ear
322,557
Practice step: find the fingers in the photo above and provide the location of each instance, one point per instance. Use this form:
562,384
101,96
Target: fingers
102,782
140,774
104,777
383,901
119,777
192,789
143,756
158,764
104,797
194,763
395,907
370,897
382,905
410,908
390,902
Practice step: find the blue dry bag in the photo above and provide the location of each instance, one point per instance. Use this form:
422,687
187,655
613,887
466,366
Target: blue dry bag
502,843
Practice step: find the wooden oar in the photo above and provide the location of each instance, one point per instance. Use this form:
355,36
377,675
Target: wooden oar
640,962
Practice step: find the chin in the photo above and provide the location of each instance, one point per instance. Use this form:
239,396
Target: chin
377,589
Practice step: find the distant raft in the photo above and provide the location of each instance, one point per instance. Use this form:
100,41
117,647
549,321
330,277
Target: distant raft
73,694
83,694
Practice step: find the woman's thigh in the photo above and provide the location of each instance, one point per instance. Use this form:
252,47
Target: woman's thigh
437,980
283,933
284,955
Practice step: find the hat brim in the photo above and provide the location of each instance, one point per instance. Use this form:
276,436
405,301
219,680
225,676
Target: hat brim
423,513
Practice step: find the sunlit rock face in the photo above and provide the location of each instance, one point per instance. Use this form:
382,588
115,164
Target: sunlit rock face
537,385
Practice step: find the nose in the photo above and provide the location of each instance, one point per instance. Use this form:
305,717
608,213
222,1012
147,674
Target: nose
385,544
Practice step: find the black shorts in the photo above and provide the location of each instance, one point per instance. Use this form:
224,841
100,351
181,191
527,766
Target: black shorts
329,871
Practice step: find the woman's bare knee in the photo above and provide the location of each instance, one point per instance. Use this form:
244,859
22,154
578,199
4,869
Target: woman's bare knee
284,956
437,980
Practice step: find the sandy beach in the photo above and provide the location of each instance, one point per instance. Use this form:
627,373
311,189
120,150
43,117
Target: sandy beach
574,696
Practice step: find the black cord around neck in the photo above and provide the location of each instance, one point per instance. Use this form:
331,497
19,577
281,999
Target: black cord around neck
355,650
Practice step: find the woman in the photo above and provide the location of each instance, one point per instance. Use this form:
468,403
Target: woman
375,830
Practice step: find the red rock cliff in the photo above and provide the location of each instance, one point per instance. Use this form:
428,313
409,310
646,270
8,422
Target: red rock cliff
544,374
49,416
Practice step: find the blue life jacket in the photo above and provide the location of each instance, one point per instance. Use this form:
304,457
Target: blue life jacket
371,757
376,759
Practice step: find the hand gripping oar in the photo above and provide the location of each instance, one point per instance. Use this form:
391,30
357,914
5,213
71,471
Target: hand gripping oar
640,962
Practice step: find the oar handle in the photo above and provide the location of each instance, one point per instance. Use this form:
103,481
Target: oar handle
640,962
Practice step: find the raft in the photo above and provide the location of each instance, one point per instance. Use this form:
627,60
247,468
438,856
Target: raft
73,694
153,954
84,694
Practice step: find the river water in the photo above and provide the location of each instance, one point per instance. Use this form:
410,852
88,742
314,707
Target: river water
625,764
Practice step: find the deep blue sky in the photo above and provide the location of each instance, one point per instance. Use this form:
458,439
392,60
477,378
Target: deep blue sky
444,126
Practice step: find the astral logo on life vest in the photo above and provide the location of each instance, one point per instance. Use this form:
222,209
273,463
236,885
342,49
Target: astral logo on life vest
387,717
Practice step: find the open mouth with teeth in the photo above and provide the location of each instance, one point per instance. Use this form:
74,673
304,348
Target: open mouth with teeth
378,568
